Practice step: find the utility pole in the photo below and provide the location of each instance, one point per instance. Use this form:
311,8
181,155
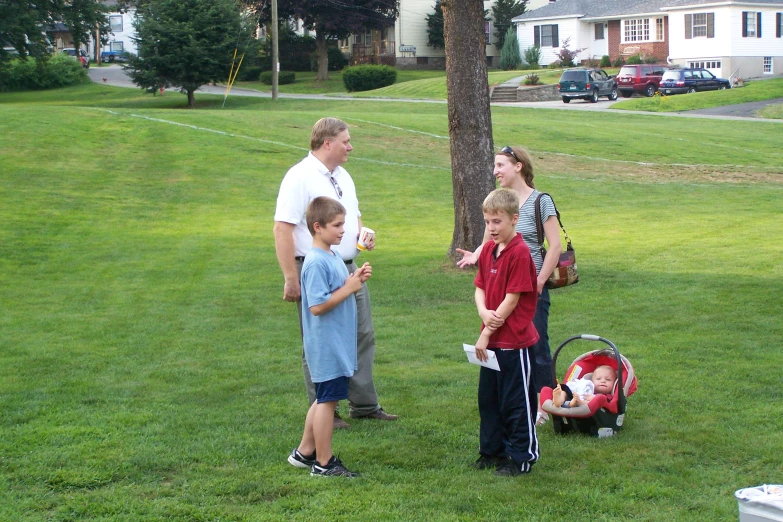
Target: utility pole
275,54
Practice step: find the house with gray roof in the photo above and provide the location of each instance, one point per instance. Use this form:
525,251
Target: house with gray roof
731,38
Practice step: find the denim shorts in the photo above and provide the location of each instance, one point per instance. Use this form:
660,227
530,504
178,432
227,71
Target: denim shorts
332,391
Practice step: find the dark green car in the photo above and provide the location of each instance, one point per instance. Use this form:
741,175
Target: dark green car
587,84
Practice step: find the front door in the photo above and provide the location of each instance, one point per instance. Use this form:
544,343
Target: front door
600,40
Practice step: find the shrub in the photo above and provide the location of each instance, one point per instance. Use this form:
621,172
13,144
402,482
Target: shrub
283,77
532,79
650,59
635,59
618,62
532,56
509,55
605,61
566,56
250,73
368,77
31,74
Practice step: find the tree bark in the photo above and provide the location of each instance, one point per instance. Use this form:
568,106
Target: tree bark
323,56
191,98
470,120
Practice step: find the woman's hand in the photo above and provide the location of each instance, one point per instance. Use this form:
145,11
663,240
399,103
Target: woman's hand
468,258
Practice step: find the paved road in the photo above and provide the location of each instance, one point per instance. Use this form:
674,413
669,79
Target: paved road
115,75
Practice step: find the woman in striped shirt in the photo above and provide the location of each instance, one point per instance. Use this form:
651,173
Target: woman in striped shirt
514,170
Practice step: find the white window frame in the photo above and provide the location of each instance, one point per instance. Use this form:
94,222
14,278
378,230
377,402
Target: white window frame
709,64
636,30
659,29
595,32
767,65
116,46
488,31
113,19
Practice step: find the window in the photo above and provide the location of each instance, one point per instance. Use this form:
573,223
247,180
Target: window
487,32
639,30
116,23
699,25
714,64
545,36
767,65
778,25
751,24
599,31
116,46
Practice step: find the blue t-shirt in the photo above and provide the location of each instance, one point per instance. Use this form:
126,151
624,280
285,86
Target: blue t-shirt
330,338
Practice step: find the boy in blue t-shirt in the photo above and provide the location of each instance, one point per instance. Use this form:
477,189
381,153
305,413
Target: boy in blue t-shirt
329,334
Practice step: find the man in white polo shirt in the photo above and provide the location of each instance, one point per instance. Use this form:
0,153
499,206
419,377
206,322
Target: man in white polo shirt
321,174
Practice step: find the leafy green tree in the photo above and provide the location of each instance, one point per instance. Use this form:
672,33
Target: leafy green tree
184,43
509,55
83,17
502,13
435,28
332,20
533,56
23,24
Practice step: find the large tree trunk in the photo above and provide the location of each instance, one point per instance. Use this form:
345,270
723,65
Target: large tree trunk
322,54
191,98
470,121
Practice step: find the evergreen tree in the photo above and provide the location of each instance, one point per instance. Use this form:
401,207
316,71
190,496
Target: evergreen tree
184,43
502,13
509,55
435,28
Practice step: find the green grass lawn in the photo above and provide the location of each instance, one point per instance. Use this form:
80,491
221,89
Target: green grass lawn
150,370
755,90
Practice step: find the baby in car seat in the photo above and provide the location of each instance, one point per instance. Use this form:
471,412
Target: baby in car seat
581,391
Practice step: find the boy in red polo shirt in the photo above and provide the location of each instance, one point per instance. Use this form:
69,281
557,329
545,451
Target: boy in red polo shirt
506,295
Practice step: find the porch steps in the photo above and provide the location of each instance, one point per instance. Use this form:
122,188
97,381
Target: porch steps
504,94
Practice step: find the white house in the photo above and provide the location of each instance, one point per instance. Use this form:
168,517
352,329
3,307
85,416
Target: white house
121,32
405,44
728,37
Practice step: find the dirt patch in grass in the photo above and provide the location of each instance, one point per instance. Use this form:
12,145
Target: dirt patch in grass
557,164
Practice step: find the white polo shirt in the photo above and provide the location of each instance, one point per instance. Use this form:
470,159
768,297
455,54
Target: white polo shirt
306,181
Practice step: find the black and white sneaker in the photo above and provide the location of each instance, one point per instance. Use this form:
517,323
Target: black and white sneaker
334,468
301,461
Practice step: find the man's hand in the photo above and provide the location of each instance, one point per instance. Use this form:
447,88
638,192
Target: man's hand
292,291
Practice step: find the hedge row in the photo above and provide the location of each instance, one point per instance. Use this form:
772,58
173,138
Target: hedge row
368,77
30,74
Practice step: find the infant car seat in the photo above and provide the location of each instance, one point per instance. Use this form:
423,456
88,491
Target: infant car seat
604,415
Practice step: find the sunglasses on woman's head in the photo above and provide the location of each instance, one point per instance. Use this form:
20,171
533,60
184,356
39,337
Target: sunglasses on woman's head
508,150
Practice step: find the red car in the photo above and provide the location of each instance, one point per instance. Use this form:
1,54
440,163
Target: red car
82,56
642,79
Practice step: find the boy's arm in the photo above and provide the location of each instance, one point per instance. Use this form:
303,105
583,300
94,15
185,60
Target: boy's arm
352,285
490,318
508,305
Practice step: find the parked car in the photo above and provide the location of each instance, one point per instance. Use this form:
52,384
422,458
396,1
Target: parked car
114,56
680,81
81,55
587,84
642,79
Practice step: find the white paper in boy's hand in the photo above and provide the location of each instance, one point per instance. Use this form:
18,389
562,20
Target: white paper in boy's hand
492,361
